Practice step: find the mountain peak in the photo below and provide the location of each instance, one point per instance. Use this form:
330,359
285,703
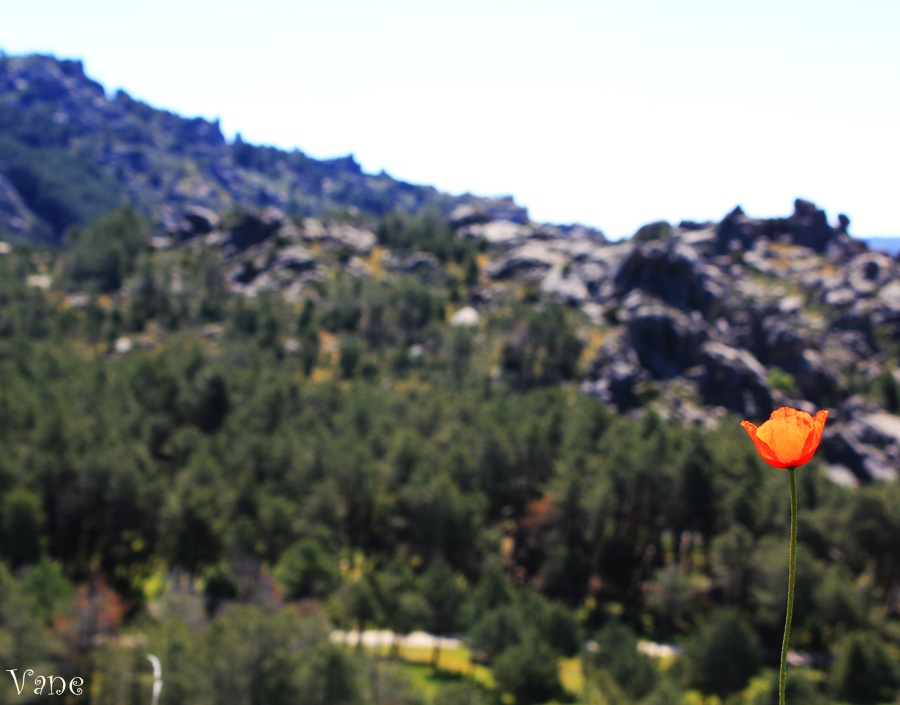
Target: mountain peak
69,152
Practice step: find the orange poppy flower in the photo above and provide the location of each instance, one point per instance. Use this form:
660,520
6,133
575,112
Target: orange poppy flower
789,438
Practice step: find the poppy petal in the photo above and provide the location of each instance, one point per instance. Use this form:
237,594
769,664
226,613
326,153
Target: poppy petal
814,438
785,435
764,449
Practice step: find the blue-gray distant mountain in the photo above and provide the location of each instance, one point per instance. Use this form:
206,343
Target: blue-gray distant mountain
890,245
69,152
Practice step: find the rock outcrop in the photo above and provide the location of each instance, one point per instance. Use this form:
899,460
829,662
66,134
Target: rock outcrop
807,227
671,271
733,378
666,341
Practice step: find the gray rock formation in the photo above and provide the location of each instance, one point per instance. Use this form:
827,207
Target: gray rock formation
252,229
531,260
474,211
665,341
733,378
867,444
340,235
671,271
868,272
807,227
466,317
615,377
295,258
424,264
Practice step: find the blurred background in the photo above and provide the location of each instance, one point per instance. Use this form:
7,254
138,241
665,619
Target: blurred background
397,352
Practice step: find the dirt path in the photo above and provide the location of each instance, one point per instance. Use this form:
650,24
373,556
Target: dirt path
384,637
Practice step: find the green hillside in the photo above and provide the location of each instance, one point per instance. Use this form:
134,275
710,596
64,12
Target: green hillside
220,480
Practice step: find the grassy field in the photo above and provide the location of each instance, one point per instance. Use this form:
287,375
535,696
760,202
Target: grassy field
455,664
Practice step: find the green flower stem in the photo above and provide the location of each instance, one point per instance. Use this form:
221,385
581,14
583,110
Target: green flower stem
791,574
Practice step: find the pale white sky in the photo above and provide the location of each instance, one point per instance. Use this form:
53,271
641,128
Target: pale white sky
609,113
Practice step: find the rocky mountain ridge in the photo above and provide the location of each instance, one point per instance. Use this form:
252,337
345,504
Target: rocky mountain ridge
69,152
696,320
